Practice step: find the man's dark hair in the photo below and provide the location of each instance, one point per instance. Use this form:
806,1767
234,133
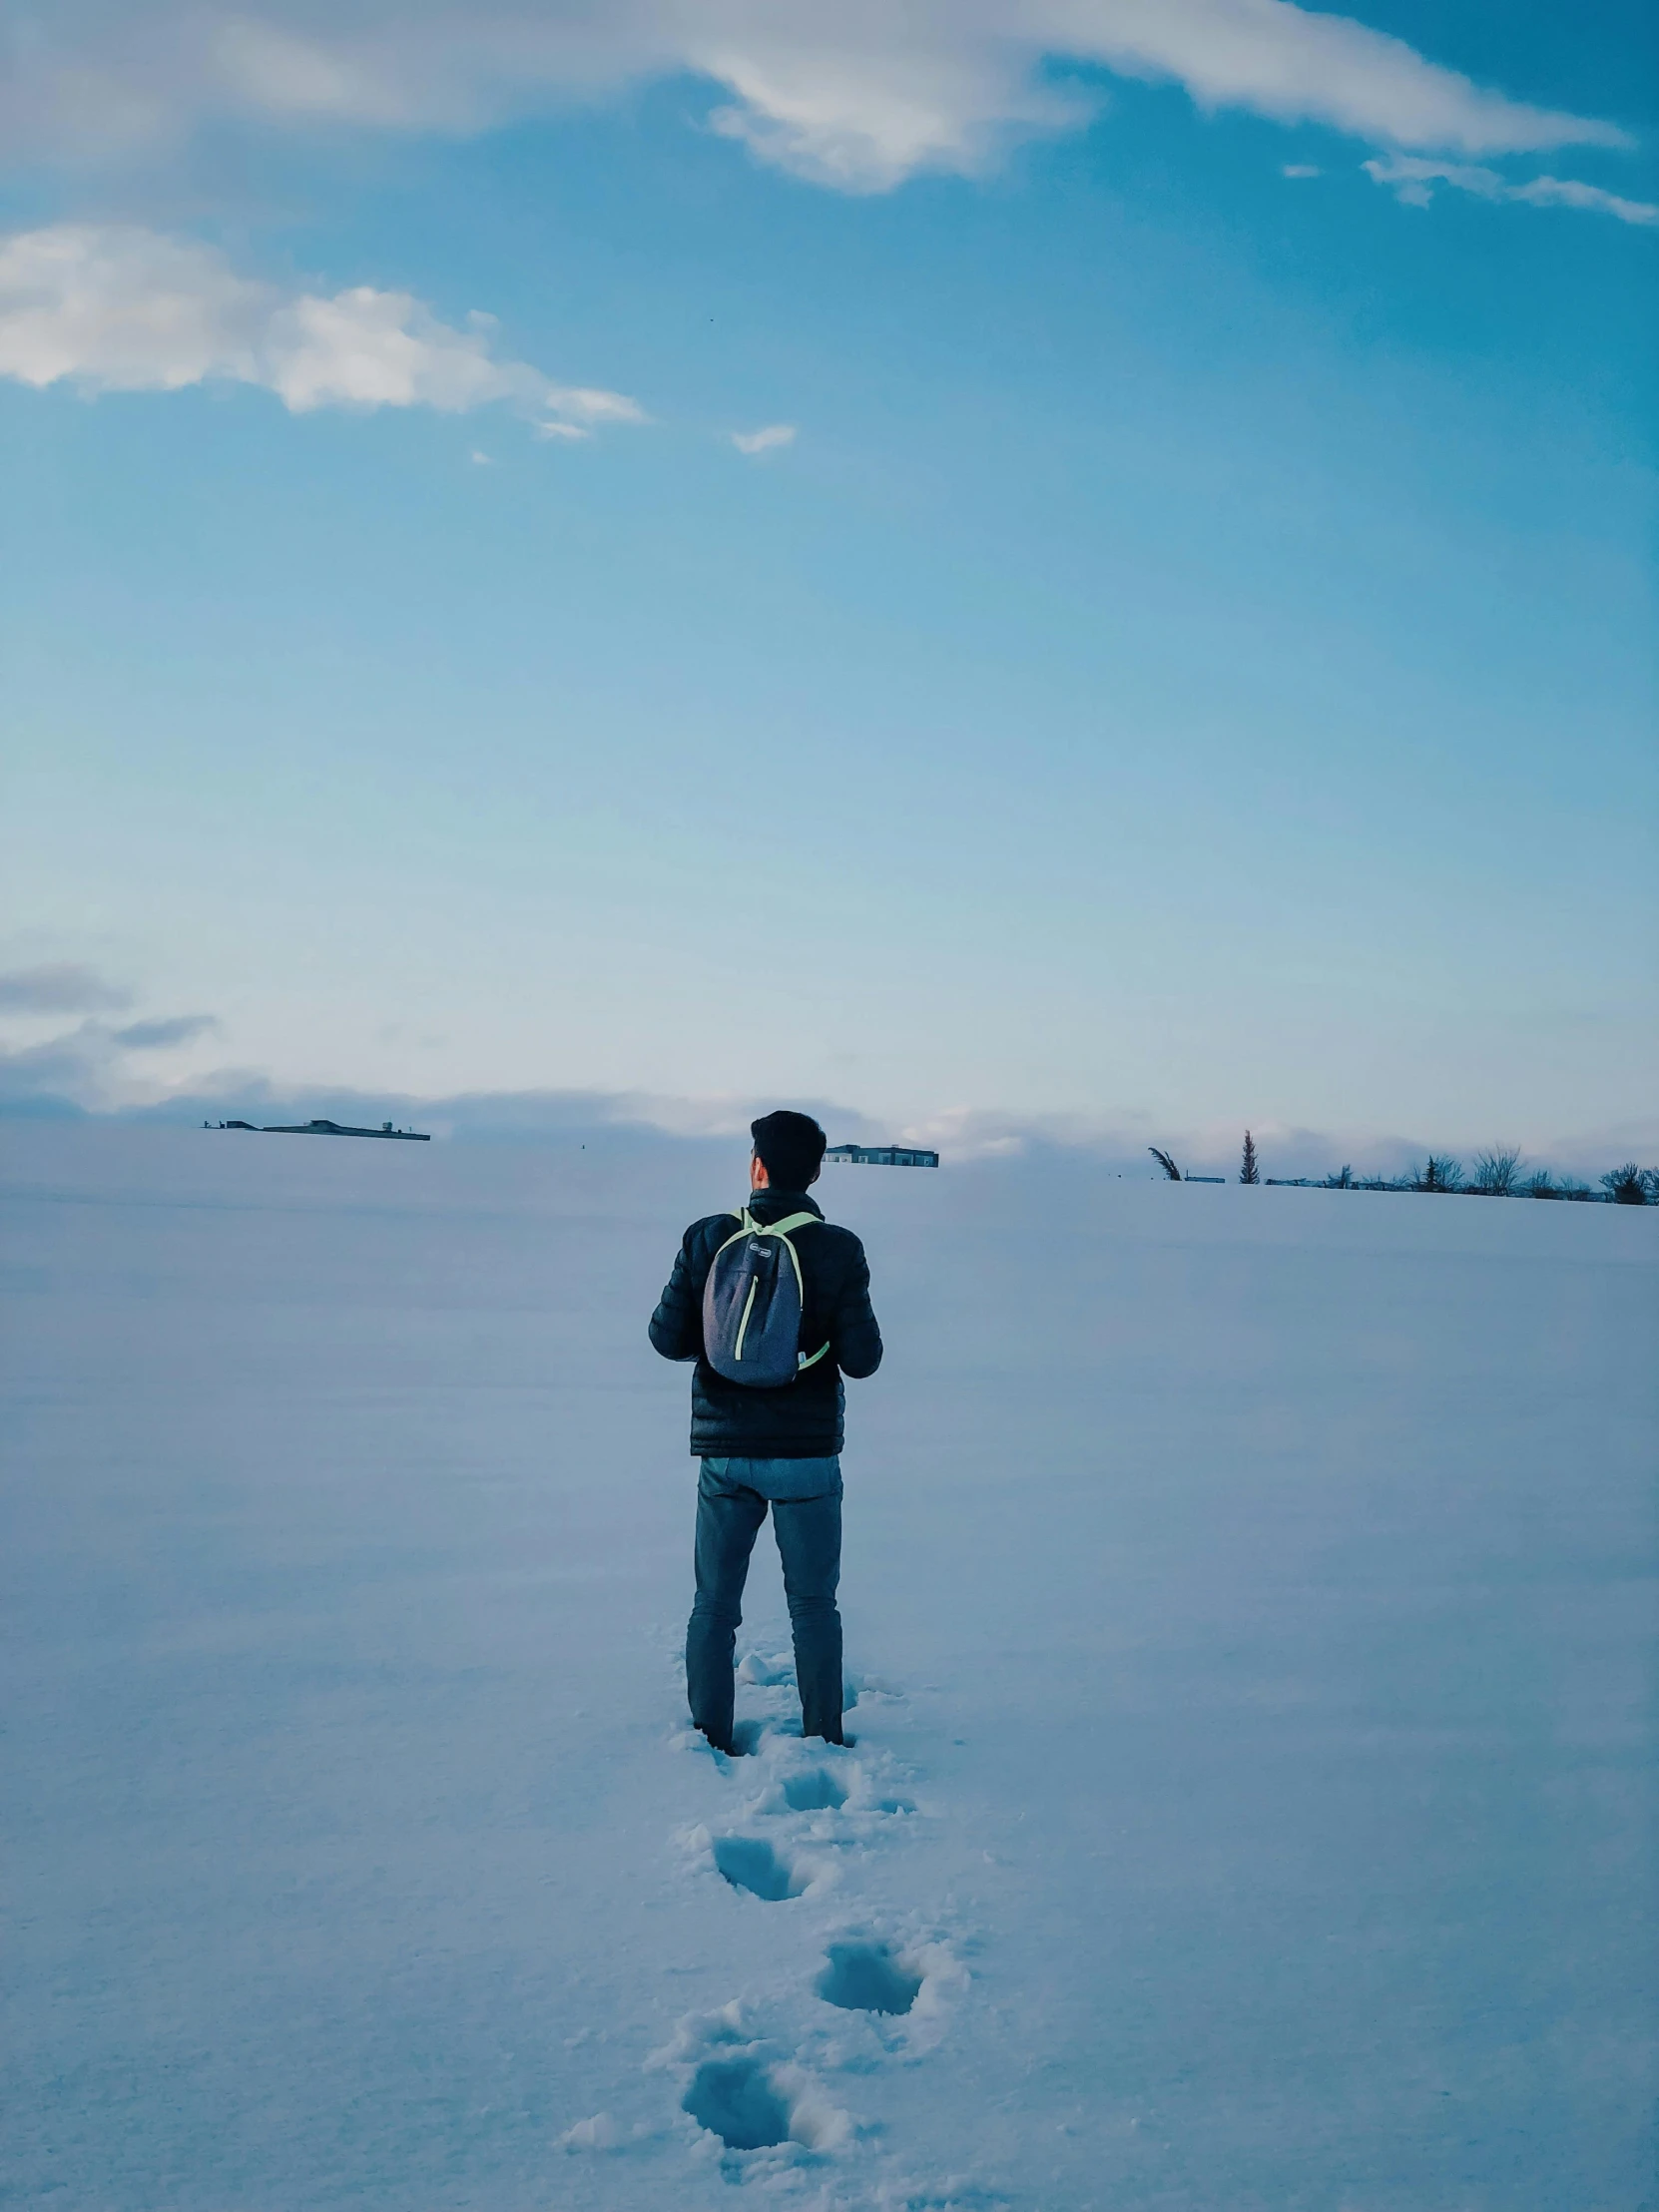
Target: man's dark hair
790,1148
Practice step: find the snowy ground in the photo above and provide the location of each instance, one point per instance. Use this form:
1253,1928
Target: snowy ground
1253,1800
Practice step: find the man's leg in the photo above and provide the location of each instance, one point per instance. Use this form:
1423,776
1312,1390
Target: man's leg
809,1533
729,1519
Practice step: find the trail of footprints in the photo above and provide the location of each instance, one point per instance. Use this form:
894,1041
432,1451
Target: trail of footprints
749,2091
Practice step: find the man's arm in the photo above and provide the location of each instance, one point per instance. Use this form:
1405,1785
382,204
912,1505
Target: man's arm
854,1335
677,1324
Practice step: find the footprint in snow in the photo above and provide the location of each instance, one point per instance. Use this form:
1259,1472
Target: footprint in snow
750,1864
753,2107
735,2099
815,1790
868,1977
744,2092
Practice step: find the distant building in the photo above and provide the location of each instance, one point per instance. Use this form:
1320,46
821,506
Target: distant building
883,1155
329,1129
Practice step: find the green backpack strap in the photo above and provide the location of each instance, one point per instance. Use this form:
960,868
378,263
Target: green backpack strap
785,1229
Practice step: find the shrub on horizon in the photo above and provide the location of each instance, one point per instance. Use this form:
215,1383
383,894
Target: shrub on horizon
1496,1174
1437,1174
1626,1185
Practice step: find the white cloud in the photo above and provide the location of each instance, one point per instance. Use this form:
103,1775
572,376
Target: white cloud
591,405
1566,191
1301,169
118,308
859,94
764,441
1414,182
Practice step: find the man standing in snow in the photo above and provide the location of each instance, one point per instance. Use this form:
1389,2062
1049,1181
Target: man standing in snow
776,1445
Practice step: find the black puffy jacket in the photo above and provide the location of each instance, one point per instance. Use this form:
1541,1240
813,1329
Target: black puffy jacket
803,1418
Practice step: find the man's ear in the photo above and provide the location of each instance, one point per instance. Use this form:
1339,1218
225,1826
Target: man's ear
813,1178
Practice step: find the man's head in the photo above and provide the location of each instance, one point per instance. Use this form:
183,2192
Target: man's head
789,1150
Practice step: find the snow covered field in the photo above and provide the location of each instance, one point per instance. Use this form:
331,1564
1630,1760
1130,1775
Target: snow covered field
1252,1801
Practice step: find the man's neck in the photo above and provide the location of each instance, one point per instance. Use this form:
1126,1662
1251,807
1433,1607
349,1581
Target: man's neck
786,1202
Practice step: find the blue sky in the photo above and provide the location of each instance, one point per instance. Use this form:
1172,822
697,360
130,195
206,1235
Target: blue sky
1184,652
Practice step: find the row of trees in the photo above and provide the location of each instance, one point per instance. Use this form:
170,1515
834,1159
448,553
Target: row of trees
1500,1175
1495,1174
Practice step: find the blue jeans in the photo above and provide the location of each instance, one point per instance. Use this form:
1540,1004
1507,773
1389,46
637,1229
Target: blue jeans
731,1499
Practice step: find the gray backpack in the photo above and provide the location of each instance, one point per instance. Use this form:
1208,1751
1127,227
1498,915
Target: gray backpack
751,1304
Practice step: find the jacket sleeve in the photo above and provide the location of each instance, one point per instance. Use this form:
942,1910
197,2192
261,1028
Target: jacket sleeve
854,1338
677,1324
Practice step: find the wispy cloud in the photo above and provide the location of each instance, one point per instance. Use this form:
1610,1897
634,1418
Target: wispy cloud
165,1035
118,308
858,97
60,987
1301,169
92,1067
764,441
1414,181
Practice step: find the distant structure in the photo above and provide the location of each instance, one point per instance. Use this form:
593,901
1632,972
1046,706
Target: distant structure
1174,1172
883,1155
329,1129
